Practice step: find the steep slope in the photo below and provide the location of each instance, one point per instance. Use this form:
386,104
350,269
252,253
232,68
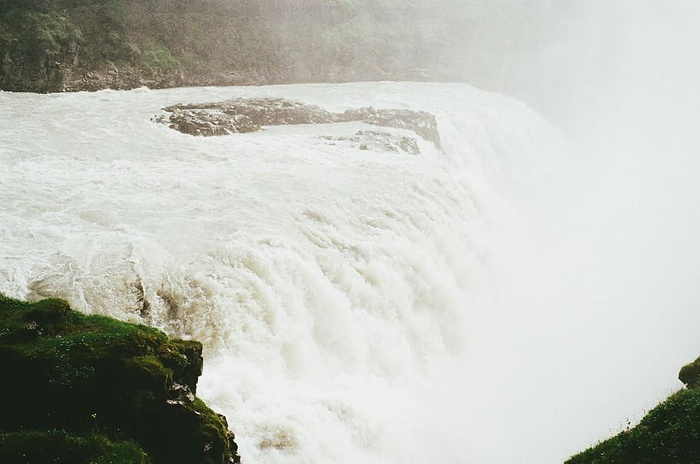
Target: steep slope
55,45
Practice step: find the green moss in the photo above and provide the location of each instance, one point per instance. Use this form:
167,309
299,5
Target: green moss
669,433
80,374
149,371
61,446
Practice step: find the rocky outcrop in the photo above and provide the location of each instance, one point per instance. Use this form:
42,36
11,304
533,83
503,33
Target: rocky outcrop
71,379
249,115
241,115
20,73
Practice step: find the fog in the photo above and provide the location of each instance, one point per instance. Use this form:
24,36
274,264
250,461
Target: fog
602,308
596,69
600,292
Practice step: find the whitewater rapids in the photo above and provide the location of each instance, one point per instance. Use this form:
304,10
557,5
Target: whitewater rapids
354,306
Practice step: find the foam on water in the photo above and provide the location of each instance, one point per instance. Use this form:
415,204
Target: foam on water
354,306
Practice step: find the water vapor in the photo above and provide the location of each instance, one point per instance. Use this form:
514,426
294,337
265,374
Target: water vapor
602,310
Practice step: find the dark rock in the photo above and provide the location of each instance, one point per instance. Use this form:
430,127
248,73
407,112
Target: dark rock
208,122
23,73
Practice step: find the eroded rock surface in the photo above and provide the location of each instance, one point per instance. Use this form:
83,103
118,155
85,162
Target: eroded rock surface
242,115
252,114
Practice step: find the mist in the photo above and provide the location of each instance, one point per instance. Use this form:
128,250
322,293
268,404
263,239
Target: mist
550,295
602,303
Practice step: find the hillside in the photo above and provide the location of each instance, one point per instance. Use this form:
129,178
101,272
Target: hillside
668,434
63,45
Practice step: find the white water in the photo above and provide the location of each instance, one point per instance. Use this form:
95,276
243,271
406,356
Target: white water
354,306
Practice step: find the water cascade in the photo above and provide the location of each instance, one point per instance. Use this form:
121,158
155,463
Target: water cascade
355,305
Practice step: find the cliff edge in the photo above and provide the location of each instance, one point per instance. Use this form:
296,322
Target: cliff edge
91,389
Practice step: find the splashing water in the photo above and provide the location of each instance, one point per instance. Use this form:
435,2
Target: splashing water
354,305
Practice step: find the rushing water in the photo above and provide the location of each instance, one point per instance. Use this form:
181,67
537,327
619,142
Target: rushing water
355,306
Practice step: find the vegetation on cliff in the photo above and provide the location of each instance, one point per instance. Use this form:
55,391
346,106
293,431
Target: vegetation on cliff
53,45
80,388
669,433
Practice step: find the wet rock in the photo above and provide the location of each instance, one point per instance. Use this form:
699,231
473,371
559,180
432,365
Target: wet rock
277,111
379,141
208,122
249,115
420,122
242,115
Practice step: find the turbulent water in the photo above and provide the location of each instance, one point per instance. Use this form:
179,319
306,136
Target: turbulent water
355,305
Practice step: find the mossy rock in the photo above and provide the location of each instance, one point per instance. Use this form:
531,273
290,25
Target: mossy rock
76,373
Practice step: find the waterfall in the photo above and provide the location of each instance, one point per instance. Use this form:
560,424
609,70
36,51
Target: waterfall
354,305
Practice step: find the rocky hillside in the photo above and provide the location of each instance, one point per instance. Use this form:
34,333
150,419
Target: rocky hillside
59,45
90,389
669,433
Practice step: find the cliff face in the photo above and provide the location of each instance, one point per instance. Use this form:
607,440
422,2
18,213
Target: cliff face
93,389
58,45
669,433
